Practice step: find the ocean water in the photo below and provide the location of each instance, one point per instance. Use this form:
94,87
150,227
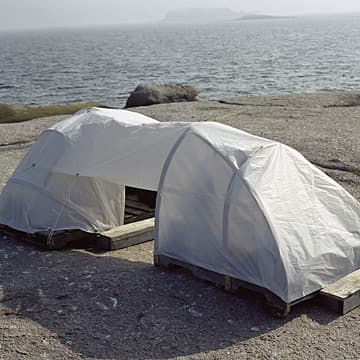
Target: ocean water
104,64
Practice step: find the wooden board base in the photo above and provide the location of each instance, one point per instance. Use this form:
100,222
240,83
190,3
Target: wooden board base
56,241
126,235
135,230
278,307
117,238
343,295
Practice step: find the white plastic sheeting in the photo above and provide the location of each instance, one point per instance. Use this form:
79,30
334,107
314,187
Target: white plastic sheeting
47,190
227,201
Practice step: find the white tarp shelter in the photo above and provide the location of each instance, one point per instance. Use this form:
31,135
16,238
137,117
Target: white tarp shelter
228,201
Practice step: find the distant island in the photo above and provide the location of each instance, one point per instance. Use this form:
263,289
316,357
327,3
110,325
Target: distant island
261,17
201,15
205,15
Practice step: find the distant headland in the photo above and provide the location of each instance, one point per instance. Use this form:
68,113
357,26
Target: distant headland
205,15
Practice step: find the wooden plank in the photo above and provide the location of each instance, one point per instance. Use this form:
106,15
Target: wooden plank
350,303
127,235
344,287
124,230
279,307
132,218
59,239
138,205
344,294
117,238
136,211
131,211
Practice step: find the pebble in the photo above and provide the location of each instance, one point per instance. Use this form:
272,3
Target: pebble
195,313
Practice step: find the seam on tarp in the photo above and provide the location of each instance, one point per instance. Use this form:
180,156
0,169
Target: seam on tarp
259,203
226,222
232,166
225,229
49,240
162,180
263,211
227,205
226,209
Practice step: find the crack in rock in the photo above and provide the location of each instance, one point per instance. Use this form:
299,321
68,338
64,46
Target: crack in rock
16,145
248,104
338,165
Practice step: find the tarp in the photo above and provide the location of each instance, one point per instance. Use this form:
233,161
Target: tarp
228,201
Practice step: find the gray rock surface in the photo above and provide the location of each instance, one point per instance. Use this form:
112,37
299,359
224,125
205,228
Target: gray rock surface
150,94
117,305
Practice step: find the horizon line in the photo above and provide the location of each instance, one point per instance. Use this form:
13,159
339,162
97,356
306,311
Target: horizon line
161,22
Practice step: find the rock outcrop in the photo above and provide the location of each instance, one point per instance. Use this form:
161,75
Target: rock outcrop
151,94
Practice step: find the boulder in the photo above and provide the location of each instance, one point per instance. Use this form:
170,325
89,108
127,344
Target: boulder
150,94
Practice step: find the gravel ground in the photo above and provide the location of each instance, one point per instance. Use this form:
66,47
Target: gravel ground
78,304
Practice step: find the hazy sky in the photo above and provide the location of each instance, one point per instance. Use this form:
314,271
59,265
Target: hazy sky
20,14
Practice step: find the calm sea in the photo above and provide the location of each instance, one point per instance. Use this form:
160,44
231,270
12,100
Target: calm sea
105,64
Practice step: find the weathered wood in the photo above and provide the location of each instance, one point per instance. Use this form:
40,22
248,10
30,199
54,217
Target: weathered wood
56,241
133,211
343,295
136,211
126,235
344,287
117,238
138,205
279,307
131,218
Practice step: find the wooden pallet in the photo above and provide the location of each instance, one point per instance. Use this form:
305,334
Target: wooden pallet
117,238
139,204
133,232
126,235
58,240
278,307
137,211
343,295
